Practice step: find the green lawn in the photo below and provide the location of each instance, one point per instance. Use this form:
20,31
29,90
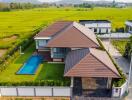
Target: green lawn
45,71
51,72
120,45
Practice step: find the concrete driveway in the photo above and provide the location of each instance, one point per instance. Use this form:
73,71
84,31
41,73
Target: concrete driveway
121,61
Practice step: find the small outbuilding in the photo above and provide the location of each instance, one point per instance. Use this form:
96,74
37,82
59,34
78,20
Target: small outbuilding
97,26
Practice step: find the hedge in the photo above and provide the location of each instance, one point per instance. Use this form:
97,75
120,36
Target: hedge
38,83
13,52
128,49
116,82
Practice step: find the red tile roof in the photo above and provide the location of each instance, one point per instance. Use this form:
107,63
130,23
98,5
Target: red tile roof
53,29
74,36
89,63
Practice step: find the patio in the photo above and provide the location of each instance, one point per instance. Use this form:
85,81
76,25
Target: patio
91,87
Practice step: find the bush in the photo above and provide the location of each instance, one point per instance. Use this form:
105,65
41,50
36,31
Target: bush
38,83
128,49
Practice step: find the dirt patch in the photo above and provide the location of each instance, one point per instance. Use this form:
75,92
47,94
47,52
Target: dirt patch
10,38
34,98
2,52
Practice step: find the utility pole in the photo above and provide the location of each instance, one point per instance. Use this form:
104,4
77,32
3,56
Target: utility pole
130,70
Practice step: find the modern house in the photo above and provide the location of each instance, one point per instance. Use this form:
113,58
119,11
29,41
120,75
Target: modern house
90,69
128,26
97,26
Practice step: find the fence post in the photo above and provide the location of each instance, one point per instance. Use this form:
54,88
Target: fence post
34,91
17,91
0,92
52,91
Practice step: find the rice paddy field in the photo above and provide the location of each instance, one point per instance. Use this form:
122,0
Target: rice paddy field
16,26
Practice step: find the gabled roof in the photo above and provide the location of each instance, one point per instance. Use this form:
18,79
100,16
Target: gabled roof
76,36
54,28
89,63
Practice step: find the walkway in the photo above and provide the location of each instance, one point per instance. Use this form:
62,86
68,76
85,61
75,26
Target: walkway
115,36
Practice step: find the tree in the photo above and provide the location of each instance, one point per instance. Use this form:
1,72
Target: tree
128,49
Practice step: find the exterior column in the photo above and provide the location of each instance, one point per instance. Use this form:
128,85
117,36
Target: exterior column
36,41
109,83
72,84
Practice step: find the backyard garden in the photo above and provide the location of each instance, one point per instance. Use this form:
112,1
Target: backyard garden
46,74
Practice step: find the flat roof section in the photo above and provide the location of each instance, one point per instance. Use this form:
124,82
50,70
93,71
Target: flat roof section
95,21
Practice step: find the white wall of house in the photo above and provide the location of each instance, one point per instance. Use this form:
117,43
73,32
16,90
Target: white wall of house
41,42
100,27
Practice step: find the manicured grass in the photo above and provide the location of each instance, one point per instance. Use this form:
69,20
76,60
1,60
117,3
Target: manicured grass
51,72
120,45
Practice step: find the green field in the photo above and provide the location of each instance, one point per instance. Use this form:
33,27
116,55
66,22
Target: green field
23,23
120,45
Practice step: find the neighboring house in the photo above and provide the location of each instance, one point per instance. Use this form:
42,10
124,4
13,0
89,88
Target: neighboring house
128,26
90,69
121,5
97,26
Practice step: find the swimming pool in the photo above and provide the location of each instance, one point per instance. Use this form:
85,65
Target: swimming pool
31,65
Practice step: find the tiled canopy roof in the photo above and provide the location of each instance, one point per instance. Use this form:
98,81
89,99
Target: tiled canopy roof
89,63
74,36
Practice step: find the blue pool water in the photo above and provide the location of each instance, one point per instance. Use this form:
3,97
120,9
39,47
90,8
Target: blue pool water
31,65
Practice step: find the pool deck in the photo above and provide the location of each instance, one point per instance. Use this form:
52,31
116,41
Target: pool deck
45,54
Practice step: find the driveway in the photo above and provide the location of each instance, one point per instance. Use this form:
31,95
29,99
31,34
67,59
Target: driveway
121,61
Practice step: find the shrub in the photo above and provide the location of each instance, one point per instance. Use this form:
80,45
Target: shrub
38,83
128,49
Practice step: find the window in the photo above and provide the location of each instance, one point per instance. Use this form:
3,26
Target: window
95,29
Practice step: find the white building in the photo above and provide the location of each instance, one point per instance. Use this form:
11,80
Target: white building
128,26
98,26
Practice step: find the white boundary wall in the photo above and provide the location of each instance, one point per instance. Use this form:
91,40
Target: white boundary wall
119,91
35,91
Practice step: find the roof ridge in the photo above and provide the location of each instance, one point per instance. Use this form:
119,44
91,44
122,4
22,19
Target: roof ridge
74,25
63,29
103,62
